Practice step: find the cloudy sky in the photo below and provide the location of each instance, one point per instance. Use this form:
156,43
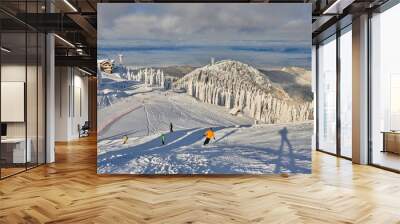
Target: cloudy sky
264,35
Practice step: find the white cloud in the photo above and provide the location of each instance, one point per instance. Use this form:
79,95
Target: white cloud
217,30
212,22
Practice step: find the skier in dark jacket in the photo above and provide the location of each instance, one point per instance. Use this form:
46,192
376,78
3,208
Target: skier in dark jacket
163,139
171,127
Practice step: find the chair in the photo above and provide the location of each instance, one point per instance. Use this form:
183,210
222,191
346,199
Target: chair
84,130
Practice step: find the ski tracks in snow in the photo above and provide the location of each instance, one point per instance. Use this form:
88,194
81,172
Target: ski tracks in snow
180,139
209,119
147,118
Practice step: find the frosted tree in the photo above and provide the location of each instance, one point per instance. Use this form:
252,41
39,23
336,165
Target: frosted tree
243,88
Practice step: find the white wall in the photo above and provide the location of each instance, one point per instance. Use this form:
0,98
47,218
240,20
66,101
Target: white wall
12,73
79,117
13,101
70,83
33,125
62,81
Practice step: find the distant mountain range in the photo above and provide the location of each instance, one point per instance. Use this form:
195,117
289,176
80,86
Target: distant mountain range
296,82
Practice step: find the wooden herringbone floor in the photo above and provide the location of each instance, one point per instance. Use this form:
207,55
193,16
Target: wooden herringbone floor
70,191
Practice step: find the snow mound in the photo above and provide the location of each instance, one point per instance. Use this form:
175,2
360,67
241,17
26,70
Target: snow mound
239,71
235,111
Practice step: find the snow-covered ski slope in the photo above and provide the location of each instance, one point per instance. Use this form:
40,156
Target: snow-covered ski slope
236,150
150,111
240,147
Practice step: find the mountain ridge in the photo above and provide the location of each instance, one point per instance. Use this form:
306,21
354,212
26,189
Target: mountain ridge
234,84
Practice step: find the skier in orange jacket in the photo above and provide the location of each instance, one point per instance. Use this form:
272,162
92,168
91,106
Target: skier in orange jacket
209,134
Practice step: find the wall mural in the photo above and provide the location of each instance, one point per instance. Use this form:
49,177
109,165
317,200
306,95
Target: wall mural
204,88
